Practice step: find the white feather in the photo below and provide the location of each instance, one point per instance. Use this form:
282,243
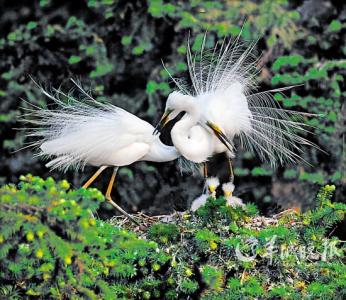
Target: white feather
234,202
199,202
89,132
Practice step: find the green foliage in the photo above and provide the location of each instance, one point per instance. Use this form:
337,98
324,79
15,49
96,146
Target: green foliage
50,240
116,48
164,233
52,247
212,277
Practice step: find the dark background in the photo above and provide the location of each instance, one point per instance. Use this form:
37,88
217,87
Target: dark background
115,48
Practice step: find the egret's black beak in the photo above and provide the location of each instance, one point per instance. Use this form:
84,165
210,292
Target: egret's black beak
162,123
220,135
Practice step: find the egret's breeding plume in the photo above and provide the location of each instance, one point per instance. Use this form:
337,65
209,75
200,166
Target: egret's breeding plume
87,132
211,185
222,99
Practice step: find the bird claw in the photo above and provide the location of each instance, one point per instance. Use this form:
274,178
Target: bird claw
121,210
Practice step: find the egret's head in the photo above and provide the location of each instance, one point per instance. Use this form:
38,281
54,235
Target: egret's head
212,184
228,189
175,104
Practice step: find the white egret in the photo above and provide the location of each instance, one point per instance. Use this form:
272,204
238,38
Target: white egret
212,184
220,101
228,189
80,133
193,141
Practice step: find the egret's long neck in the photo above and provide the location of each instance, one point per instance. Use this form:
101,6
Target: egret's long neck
184,138
160,152
181,129
168,153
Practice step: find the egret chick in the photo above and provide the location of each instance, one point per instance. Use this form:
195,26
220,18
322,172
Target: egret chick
212,184
228,189
80,133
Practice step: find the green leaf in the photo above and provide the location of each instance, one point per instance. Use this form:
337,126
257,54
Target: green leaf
290,173
334,26
31,25
44,3
198,42
332,116
90,50
260,172
126,40
155,8
12,36
168,8
181,66
74,59
8,75
151,87
182,50
101,70
138,50
312,177
108,2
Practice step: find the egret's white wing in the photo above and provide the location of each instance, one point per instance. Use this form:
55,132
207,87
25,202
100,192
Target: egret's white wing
80,132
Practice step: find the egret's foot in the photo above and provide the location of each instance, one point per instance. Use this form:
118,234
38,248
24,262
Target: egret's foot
118,208
287,212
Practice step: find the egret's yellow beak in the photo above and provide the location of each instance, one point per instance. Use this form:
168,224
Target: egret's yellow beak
212,188
227,194
220,135
163,121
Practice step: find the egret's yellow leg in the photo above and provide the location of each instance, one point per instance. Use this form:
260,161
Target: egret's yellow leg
109,198
92,178
231,174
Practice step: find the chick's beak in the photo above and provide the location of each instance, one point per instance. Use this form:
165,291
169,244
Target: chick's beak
227,193
162,123
212,188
